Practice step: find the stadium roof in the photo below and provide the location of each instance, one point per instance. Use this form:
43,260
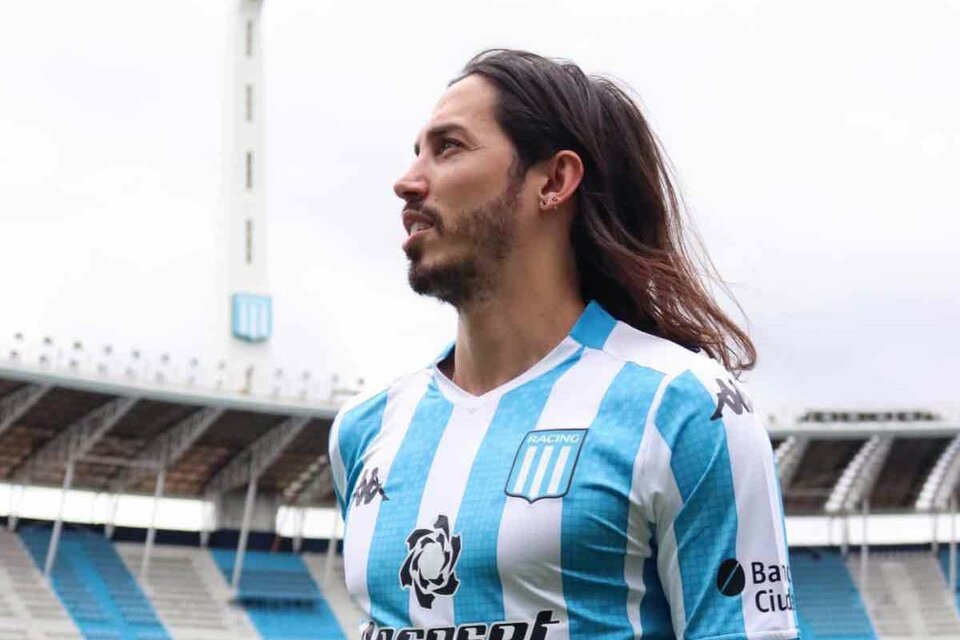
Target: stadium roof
120,433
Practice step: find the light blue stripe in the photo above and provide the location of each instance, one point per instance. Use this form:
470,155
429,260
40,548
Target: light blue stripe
655,619
706,526
480,596
398,515
358,427
594,326
595,511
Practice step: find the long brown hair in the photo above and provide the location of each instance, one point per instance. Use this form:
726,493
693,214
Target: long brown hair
628,232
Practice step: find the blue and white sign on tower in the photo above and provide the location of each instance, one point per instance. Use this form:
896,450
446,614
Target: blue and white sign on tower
252,317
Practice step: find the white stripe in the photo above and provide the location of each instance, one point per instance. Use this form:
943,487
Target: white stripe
402,401
336,462
524,469
444,489
558,469
652,352
759,535
541,471
653,490
528,543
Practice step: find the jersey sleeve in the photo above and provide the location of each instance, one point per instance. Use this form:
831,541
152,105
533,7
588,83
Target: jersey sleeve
717,514
337,467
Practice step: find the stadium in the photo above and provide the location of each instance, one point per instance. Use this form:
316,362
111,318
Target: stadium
159,496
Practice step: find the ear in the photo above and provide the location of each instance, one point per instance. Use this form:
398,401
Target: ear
562,175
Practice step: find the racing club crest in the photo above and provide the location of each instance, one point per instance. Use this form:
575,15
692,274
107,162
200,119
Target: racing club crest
544,464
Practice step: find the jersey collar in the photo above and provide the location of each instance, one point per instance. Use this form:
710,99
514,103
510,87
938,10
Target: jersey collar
590,330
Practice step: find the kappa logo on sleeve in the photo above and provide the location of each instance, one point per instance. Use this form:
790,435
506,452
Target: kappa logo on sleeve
369,488
544,464
730,395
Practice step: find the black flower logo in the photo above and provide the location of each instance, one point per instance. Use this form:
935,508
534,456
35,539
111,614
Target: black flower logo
430,562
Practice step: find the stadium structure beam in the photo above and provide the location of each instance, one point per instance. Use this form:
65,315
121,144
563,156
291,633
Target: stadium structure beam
16,499
941,483
331,548
247,466
301,523
858,478
788,456
244,530
58,524
77,439
864,545
255,459
302,483
167,448
14,405
952,584
318,486
152,531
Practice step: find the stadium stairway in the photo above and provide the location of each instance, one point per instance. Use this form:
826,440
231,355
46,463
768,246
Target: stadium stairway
29,609
906,595
828,602
189,594
280,596
335,592
98,592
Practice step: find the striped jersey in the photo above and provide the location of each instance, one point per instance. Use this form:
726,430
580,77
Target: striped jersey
623,487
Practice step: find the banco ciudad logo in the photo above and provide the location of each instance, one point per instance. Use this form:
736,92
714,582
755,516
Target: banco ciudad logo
770,583
730,578
431,559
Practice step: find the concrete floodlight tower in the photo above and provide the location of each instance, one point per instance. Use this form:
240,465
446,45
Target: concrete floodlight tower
247,302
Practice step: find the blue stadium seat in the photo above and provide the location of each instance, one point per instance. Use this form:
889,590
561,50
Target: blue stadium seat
945,566
96,589
829,605
280,596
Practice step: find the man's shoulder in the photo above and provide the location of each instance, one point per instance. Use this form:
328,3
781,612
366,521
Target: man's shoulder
370,404
646,350
687,377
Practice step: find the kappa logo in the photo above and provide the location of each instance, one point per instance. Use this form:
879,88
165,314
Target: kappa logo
544,464
730,396
369,488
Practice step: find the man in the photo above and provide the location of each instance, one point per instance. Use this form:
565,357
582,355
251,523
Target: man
575,465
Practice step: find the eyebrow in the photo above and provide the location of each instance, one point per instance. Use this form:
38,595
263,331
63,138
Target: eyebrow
440,130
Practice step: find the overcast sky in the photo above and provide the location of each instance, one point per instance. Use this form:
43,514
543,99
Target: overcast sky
817,145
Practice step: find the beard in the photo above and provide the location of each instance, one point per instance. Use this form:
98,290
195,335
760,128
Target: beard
489,232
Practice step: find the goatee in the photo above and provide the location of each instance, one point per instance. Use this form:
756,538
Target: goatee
490,232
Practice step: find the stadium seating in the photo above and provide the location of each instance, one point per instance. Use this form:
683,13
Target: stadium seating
829,604
29,609
98,592
280,596
189,593
335,589
906,595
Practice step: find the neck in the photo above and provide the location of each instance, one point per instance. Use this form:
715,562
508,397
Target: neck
509,331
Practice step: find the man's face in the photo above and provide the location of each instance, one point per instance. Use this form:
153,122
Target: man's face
461,195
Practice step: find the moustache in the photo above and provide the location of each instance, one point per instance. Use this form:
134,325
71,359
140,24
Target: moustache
429,213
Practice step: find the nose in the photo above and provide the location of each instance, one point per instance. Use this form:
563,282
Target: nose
412,185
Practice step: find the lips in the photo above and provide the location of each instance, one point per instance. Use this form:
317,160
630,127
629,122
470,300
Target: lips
415,221
416,224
